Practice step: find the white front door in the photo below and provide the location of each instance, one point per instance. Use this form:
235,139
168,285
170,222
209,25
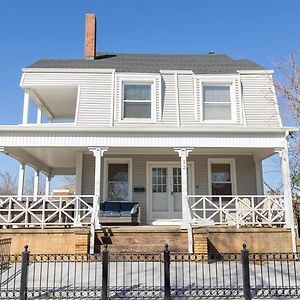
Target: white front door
165,201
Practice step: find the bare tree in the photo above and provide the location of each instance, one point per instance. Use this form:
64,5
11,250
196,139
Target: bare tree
8,183
29,185
287,85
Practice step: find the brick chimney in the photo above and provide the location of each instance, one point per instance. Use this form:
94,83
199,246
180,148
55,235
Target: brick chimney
90,36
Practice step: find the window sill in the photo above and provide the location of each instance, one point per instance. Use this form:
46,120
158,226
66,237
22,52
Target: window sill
132,121
219,122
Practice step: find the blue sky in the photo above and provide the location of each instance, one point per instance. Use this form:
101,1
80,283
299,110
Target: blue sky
31,29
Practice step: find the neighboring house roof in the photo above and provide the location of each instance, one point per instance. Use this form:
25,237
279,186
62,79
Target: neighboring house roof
153,63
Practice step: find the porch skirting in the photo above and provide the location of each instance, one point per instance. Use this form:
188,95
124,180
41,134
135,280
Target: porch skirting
148,239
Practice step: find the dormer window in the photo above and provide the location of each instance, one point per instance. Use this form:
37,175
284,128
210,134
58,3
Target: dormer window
217,102
137,100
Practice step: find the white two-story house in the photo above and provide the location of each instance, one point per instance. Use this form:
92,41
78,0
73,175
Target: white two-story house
182,135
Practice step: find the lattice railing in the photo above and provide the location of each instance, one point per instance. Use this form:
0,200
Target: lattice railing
66,210
266,210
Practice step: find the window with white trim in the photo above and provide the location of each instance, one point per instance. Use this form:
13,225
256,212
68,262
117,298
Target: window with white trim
118,183
217,102
222,176
137,100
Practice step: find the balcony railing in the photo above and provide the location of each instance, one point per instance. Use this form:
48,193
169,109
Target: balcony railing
266,210
43,211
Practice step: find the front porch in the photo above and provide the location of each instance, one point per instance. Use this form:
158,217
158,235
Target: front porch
187,187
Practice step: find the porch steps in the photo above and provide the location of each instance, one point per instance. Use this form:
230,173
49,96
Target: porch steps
149,239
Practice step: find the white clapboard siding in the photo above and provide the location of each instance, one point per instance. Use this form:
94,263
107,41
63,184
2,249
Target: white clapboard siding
95,93
186,99
245,173
94,107
238,104
95,102
169,109
259,101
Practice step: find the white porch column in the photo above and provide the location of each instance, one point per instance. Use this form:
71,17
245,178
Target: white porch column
186,216
39,116
79,161
98,153
48,182
25,108
21,180
286,181
259,177
36,183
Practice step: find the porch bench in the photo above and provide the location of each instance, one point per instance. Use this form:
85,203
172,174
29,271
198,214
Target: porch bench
120,212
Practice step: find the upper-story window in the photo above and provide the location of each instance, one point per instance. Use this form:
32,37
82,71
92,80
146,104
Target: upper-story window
217,102
137,100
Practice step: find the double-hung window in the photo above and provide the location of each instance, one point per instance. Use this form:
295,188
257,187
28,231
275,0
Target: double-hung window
222,176
137,101
217,102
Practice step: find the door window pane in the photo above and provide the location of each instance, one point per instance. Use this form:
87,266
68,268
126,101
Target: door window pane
177,180
118,182
159,180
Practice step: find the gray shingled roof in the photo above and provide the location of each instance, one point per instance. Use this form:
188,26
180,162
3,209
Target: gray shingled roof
153,63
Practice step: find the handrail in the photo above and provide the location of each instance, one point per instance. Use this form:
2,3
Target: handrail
238,210
43,210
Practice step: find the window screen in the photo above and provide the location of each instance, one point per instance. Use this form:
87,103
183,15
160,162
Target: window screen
216,102
137,101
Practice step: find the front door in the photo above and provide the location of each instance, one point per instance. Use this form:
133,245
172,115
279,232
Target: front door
165,192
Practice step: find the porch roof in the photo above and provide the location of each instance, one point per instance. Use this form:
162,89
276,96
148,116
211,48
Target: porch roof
72,136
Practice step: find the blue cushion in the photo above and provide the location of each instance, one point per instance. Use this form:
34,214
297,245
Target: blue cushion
111,206
110,213
126,206
125,213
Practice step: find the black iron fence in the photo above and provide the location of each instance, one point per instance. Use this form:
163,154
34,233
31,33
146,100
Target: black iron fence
163,275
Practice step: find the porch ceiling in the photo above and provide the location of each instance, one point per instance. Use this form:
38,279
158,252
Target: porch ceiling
56,102
55,161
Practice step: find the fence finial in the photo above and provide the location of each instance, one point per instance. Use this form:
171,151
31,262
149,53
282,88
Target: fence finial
244,247
166,247
26,248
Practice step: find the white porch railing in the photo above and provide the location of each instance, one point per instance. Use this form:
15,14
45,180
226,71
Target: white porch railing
43,211
266,210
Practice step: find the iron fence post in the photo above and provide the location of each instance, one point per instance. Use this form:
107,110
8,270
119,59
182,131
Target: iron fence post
105,273
167,285
24,274
246,273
